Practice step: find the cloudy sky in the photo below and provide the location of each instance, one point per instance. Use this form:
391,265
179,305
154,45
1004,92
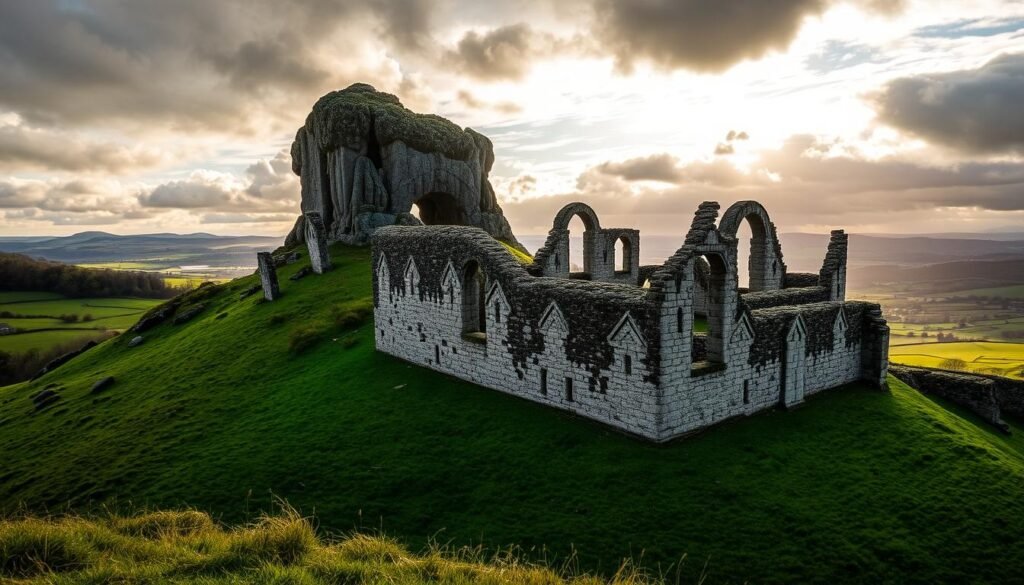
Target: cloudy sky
887,116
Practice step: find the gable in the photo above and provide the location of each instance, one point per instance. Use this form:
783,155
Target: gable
497,295
450,278
797,331
626,333
743,330
553,321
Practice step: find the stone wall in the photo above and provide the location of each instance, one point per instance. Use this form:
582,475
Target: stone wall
990,397
453,299
580,346
601,259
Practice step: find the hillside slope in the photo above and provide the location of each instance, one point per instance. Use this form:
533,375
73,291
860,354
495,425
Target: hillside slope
220,413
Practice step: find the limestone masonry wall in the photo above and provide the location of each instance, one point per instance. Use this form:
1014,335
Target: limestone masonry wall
601,345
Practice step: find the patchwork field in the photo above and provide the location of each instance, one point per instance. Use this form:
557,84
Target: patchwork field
1006,292
1003,359
45,320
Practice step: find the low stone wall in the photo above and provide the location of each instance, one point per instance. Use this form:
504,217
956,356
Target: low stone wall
800,280
785,297
987,396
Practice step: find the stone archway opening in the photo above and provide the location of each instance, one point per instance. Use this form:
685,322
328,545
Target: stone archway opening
578,245
758,255
623,255
709,277
439,208
765,269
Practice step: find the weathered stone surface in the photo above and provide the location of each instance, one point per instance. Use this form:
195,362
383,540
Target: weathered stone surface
316,243
44,398
188,314
154,318
454,300
60,361
136,341
286,259
979,394
268,276
365,160
102,385
249,291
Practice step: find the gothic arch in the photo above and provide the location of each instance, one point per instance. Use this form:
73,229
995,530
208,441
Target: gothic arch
584,211
767,270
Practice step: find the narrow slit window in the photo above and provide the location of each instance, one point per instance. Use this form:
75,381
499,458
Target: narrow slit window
544,381
568,389
627,364
746,392
437,354
679,320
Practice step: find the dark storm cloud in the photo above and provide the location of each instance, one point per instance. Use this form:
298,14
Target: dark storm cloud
407,22
693,34
187,63
502,53
976,110
265,62
706,36
657,167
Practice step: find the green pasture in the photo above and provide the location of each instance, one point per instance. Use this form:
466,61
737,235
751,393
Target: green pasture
252,401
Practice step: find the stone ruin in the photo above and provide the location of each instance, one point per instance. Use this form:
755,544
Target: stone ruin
365,161
622,346
268,276
316,243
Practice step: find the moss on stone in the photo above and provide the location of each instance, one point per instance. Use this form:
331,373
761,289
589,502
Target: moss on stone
344,118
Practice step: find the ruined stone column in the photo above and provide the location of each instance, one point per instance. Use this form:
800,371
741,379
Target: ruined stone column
268,276
875,349
316,243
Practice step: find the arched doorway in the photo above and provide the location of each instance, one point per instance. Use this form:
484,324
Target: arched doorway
764,260
623,255
439,208
709,277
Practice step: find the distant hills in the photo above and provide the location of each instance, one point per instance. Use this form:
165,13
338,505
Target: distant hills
978,260
228,255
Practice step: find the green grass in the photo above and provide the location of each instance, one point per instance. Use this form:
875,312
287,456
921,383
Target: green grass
189,547
1008,292
42,340
21,297
519,255
107,307
1005,359
42,333
224,414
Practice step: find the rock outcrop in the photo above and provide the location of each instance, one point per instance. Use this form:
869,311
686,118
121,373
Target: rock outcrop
365,160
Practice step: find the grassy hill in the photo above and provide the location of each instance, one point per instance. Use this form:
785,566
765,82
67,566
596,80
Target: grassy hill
251,400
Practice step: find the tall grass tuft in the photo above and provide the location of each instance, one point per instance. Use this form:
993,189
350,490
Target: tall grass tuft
188,547
31,547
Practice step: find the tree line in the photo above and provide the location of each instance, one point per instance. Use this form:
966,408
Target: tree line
23,273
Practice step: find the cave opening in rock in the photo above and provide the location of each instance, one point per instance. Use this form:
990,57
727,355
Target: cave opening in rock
440,208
